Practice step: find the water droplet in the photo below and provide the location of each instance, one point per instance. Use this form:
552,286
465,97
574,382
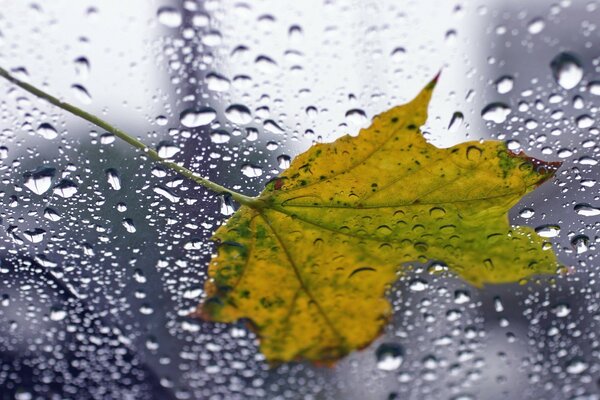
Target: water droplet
536,25
496,112
398,54
238,114
107,138
251,171
585,160
51,215
586,210
265,64
584,121
356,117
594,88
283,161
526,213
580,243
167,149
216,82
35,235
389,356
272,127
564,153
128,224
40,180
548,231
81,94
220,136
57,314
504,84
82,67
576,366
461,296
456,121
166,193
169,17
567,70
192,118
226,205
3,152
47,131
418,285
112,176
561,310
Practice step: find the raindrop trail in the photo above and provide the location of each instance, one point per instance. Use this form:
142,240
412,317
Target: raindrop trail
240,198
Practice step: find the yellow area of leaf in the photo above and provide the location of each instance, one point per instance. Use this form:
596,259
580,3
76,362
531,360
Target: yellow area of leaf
308,265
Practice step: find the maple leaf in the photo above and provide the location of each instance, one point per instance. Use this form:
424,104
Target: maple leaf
309,262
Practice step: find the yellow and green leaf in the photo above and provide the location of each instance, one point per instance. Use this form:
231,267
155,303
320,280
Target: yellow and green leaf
309,262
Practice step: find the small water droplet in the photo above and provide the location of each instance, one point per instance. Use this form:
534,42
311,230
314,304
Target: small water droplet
272,127
113,179
166,193
283,161
34,235
594,88
216,82
226,205
561,310
548,231
456,121
389,356
81,94
251,171
526,213
418,285
536,25
166,149
82,67
220,136
504,84
107,138
567,70
356,117
128,224
580,243
47,131
169,17
238,114
398,54
495,112
57,314
51,215
584,121
193,118
40,180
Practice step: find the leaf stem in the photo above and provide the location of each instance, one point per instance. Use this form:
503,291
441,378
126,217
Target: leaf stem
240,198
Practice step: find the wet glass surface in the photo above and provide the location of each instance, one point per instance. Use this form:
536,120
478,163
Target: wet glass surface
104,253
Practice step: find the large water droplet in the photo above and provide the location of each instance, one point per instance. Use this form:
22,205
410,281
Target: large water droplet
580,243
192,118
35,235
356,117
82,67
567,70
272,127
536,25
586,210
584,121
